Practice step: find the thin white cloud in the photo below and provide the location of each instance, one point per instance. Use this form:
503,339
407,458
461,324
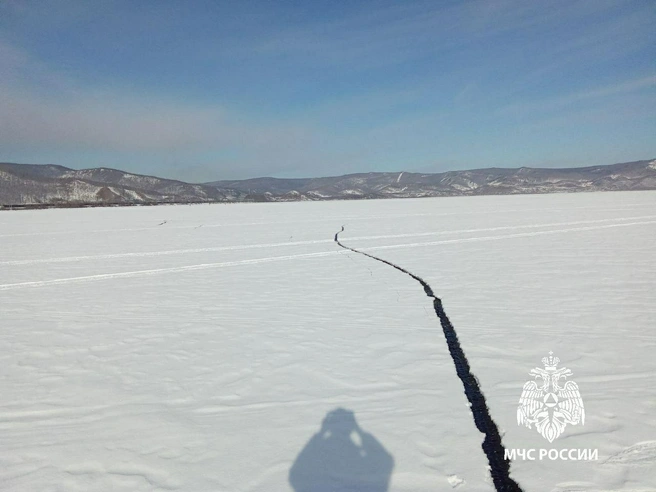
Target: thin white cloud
568,100
405,31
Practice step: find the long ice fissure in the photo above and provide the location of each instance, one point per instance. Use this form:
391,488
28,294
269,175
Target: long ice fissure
492,445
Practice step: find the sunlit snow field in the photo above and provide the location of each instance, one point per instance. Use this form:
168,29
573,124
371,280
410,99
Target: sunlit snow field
200,348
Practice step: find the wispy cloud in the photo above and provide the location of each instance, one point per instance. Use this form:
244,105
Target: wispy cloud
394,33
573,99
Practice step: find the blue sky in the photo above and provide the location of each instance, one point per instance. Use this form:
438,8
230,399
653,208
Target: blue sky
206,90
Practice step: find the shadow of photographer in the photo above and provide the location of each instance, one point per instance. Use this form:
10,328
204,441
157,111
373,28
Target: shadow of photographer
341,457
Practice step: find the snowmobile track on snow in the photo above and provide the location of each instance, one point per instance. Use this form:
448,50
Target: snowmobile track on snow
492,445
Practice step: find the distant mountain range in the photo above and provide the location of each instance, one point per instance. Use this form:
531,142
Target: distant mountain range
27,185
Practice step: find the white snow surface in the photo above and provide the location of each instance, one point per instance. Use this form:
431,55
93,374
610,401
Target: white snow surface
199,348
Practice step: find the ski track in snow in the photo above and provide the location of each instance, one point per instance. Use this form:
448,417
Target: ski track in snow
157,271
326,241
205,266
508,236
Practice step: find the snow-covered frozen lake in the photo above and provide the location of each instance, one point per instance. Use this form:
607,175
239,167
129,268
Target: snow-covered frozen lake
238,348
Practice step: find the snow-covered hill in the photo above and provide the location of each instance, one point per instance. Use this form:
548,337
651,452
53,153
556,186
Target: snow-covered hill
22,184
639,175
